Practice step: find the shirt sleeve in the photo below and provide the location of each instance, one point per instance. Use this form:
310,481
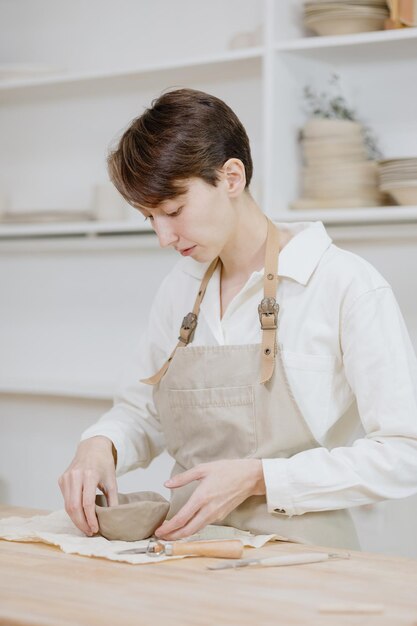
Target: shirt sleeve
381,369
132,423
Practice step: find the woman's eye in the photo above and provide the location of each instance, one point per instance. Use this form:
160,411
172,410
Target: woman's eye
176,212
150,217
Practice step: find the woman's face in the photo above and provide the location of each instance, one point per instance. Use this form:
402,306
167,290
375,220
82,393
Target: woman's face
199,223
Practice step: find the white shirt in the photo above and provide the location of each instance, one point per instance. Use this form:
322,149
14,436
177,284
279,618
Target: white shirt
348,357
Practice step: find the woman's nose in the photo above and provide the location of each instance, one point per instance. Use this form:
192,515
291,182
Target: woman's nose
165,232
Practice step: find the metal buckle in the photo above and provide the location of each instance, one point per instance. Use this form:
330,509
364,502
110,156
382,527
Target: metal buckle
268,307
189,323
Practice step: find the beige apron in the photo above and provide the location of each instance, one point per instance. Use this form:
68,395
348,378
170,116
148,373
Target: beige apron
212,406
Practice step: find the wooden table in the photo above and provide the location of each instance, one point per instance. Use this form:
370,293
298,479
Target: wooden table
42,586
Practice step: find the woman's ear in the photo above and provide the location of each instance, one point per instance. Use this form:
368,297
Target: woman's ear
235,177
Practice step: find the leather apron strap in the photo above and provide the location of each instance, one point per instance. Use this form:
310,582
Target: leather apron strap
267,309
188,326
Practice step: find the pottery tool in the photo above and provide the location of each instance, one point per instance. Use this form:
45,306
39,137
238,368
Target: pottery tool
289,559
229,549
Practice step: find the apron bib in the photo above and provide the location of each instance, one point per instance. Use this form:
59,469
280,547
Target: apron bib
213,405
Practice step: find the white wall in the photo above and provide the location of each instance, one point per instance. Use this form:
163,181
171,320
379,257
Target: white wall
71,316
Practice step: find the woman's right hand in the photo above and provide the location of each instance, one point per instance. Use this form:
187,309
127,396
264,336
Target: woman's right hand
93,466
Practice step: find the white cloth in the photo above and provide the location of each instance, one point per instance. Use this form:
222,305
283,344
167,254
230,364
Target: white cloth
348,358
57,529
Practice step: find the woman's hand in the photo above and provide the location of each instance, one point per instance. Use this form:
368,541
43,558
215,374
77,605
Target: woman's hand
223,486
93,466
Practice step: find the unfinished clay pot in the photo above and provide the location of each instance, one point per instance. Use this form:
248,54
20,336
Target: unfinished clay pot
136,516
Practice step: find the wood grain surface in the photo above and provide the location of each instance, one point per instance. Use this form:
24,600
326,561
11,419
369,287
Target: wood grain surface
42,586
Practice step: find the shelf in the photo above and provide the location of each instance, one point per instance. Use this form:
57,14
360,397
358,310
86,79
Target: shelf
75,391
351,217
371,215
13,231
233,56
405,36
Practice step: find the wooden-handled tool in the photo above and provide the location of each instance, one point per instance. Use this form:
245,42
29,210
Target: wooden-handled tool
286,559
227,549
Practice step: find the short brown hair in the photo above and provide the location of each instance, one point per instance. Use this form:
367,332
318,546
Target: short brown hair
184,134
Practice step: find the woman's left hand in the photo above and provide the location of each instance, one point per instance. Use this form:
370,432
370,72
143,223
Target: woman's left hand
223,486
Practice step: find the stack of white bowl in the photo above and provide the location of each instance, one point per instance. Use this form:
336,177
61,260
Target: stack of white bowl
398,177
342,17
336,172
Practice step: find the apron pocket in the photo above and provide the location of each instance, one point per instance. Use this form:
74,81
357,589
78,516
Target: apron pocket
310,377
210,424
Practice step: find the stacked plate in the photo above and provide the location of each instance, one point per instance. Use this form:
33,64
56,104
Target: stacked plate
336,170
398,177
334,17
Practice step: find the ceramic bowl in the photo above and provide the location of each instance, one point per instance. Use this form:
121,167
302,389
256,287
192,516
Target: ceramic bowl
405,195
346,26
136,516
347,202
317,127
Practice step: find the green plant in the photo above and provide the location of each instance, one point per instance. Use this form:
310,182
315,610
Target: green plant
333,105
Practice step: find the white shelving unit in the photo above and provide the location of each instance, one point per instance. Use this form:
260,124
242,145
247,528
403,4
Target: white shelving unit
264,84
404,39
376,72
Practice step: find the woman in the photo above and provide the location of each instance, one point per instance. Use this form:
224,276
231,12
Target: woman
291,345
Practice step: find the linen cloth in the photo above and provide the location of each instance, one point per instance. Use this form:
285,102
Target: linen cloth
57,529
348,358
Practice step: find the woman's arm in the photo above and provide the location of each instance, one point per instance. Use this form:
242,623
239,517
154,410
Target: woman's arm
380,366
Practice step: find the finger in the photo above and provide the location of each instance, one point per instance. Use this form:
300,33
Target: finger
89,504
179,520
73,503
179,480
111,494
197,523
110,491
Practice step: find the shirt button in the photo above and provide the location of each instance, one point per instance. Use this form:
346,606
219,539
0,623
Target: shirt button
280,511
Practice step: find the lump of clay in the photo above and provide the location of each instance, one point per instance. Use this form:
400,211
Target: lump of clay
136,516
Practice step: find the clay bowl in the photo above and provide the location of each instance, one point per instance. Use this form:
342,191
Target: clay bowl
136,516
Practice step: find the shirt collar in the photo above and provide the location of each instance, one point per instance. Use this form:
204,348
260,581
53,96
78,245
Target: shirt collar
297,260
